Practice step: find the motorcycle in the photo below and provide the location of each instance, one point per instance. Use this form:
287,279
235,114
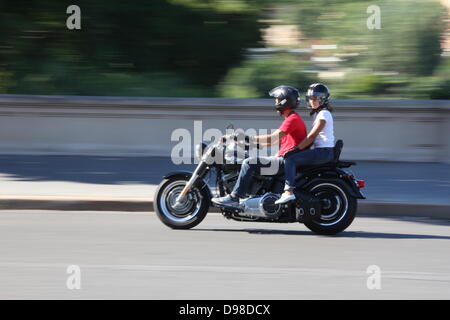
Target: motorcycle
326,195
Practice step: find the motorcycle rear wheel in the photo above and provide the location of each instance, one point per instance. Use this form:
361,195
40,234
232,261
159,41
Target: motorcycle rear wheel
338,210
189,213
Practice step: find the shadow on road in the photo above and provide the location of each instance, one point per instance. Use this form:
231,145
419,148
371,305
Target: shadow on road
88,169
345,234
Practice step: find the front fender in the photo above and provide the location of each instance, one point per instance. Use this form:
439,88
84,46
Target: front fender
176,174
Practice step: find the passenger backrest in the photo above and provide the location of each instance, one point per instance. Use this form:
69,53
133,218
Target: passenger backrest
338,149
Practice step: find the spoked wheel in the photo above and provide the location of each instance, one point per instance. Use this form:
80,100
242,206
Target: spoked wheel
338,208
186,214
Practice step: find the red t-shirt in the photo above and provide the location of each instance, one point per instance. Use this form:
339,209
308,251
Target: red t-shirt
295,130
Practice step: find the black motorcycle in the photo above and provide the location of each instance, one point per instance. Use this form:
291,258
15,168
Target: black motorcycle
326,195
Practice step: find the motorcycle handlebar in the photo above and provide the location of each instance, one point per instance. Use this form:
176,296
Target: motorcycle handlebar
235,137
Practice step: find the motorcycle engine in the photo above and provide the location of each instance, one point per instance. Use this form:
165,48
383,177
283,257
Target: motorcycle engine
263,207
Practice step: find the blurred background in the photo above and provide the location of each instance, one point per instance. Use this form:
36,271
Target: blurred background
226,48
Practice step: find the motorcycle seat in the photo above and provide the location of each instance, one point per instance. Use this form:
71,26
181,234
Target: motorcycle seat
335,163
329,165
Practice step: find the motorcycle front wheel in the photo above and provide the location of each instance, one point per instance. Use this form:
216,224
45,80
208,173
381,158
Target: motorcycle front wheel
189,212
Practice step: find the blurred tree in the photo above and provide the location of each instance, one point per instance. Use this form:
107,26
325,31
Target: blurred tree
408,41
255,77
123,47
429,88
188,47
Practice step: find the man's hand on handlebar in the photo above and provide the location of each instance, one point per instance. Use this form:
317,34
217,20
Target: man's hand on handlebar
241,138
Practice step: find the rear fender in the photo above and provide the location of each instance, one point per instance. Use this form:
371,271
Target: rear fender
344,181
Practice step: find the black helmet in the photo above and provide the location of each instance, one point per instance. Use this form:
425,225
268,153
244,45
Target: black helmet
288,97
320,91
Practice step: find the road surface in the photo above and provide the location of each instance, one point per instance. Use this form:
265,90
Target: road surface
134,256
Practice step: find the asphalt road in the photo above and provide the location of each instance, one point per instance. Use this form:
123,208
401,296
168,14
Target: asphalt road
134,256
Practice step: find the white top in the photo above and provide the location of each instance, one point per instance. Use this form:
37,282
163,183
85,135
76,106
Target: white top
325,138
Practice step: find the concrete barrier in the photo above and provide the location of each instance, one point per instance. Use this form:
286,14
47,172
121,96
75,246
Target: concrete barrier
392,130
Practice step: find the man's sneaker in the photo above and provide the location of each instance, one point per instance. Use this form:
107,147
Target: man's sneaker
226,201
285,198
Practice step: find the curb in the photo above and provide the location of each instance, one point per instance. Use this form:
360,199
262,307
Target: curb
365,208
76,204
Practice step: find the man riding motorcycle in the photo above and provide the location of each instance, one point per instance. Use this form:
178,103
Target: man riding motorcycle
291,132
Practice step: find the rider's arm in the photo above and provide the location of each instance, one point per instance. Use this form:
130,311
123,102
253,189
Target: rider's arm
312,134
269,139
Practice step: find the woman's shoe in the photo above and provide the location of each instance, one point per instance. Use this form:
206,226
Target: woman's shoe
285,198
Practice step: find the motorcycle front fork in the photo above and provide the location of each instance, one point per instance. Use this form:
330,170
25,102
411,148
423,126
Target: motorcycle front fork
199,172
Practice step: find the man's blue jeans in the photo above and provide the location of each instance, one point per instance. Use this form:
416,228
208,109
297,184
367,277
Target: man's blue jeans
302,158
262,165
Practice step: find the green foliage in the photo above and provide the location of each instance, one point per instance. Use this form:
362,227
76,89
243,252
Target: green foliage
319,18
429,88
254,78
408,41
196,48
368,83
433,87
362,85
124,45
443,69
223,5
369,86
5,82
